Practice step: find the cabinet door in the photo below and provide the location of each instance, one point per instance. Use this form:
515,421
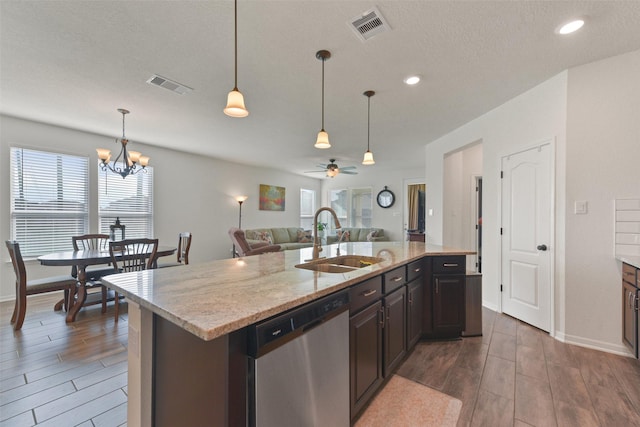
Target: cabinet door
415,301
365,355
448,305
629,317
395,329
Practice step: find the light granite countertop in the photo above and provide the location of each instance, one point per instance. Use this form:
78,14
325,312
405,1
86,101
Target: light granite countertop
218,297
633,260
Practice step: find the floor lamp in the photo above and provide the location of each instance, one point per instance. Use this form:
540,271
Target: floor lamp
240,200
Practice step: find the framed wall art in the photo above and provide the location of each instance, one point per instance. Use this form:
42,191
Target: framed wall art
272,198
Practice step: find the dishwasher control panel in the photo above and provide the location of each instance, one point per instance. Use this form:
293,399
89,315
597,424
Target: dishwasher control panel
264,336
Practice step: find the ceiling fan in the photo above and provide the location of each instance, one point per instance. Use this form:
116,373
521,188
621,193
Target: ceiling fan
332,169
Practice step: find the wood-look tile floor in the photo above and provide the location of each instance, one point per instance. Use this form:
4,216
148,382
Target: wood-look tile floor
54,374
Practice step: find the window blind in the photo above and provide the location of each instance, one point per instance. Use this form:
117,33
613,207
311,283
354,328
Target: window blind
49,200
130,199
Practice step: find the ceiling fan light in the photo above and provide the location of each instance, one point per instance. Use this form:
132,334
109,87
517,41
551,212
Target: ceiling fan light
332,172
235,104
322,141
368,158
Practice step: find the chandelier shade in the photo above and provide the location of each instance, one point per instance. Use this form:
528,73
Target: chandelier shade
128,162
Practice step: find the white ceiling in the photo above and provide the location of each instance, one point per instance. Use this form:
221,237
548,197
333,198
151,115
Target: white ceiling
73,63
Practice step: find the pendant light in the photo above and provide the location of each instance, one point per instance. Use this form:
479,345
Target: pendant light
323,137
235,101
368,155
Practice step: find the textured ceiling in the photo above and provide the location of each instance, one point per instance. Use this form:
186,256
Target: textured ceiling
73,63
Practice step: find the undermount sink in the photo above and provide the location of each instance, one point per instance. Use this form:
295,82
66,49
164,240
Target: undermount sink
339,264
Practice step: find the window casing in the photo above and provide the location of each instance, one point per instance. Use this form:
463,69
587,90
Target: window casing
353,207
307,208
130,199
49,200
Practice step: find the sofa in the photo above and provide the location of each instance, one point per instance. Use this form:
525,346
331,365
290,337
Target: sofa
286,237
297,238
354,234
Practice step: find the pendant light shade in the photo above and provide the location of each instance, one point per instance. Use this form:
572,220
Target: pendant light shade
368,155
235,104
322,141
235,101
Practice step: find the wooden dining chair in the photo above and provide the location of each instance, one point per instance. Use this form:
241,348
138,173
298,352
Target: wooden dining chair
24,287
99,242
132,255
182,255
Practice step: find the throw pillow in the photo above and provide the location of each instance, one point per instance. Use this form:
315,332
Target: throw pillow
343,236
304,236
265,236
371,235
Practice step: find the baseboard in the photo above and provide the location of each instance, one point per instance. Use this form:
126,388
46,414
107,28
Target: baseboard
491,307
608,347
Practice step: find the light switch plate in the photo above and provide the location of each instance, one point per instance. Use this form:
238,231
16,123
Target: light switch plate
580,207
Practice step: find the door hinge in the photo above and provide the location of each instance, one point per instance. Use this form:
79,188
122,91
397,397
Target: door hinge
501,231
501,174
476,226
501,288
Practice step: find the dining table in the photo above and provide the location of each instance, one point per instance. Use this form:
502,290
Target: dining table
82,259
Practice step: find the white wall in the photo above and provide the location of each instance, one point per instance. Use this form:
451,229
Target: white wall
603,164
460,169
191,193
593,114
390,219
537,114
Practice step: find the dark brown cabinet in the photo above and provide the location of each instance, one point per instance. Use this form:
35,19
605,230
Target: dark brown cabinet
365,355
630,302
444,297
448,305
395,329
415,304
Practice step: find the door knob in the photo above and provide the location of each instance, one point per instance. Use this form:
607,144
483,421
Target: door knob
542,247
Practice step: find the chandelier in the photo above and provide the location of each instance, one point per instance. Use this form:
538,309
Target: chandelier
127,161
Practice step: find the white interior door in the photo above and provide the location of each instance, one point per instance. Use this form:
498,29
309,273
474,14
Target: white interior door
527,236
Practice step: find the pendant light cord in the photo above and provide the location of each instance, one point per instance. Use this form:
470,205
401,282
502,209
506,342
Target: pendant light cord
235,26
322,93
368,119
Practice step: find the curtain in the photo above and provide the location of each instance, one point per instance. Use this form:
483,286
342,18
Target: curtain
414,200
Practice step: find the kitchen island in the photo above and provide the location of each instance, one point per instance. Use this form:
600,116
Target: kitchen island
187,325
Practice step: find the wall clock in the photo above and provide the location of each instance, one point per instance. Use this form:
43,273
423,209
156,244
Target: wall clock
386,198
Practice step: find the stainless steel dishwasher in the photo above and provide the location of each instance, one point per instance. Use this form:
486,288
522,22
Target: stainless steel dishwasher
299,366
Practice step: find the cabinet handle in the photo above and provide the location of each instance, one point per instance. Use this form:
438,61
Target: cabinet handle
396,279
369,293
382,317
449,265
636,303
387,312
437,285
410,300
630,300
417,270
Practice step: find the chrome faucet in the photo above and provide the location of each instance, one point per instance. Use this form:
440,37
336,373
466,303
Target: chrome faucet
317,247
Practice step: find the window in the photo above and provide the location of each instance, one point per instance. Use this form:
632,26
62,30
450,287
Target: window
49,200
130,199
307,208
353,207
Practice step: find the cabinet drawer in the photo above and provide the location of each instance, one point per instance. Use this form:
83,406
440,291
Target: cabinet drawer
365,293
449,264
394,279
629,274
414,270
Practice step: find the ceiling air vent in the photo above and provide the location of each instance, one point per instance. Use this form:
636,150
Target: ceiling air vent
369,24
176,87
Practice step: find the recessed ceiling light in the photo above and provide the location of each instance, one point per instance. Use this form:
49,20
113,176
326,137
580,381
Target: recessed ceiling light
412,80
570,27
